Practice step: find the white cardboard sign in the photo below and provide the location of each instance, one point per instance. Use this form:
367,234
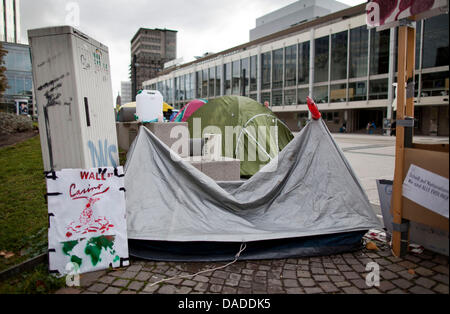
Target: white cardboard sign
427,189
87,223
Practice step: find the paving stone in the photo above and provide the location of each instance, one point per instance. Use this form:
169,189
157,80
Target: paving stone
337,278
229,290
250,278
386,286
68,291
120,283
314,290
332,272
352,290
328,287
289,274
201,286
360,284
134,268
107,279
402,283
441,278
143,276
175,281
151,289
97,287
344,267
290,283
183,290
248,271
287,266
167,289
396,291
88,279
135,285
112,290
261,273
236,277
215,288
295,291
422,271
440,288
441,269
420,290
351,275
372,291
128,274
303,274
407,264
316,265
220,274
245,284
303,261
329,265
317,270
427,264
306,282
405,274
395,268
382,261
201,278
244,291
387,274
232,283
441,259
321,278
128,292
216,281
341,284
189,283
425,282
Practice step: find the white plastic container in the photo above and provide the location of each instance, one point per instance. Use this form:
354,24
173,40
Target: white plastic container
149,106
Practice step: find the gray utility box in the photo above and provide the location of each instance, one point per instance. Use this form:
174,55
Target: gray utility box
72,84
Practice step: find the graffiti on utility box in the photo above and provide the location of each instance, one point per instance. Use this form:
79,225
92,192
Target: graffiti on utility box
105,155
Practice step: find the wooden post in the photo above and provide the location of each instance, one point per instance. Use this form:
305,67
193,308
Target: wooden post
405,107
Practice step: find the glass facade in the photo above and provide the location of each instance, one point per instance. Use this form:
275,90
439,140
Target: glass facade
379,51
290,65
435,42
359,48
322,46
350,65
339,56
17,62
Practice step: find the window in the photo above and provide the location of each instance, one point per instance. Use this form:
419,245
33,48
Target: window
277,79
378,89
357,91
266,65
321,59
218,80
338,93
321,94
253,73
435,41
379,51
245,74
303,63
198,81
227,72
339,56
289,97
277,98
290,56
359,40
302,94
236,78
205,83
212,75
435,84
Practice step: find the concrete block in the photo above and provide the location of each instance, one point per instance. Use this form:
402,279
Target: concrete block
222,169
163,131
126,133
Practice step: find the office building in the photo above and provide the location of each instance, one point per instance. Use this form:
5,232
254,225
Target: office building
10,21
150,49
348,69
125,92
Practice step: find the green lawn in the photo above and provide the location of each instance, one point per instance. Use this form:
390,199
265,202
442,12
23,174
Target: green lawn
23,212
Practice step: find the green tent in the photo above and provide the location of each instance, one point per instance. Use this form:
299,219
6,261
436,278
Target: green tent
250,131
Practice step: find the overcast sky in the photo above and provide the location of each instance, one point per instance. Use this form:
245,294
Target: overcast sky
202,25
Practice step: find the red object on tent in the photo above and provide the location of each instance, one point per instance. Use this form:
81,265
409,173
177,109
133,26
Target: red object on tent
189,109
316,115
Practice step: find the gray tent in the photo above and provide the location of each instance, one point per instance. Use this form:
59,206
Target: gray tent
305,202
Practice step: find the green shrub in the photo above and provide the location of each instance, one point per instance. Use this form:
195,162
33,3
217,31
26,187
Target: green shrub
11,123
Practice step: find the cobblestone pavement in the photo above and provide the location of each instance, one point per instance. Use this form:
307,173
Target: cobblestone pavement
425,273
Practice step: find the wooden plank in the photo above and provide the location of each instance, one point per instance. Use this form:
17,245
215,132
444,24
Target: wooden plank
400,135
433,147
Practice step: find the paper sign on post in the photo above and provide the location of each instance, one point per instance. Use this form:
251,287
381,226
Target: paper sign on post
87,225
427,189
